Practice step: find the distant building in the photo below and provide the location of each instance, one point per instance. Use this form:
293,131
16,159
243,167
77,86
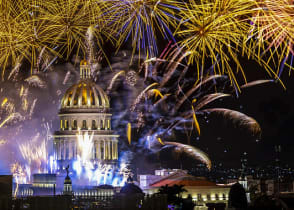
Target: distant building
43,184
266,186
201,190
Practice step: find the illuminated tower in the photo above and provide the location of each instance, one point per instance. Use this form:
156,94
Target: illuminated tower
85,109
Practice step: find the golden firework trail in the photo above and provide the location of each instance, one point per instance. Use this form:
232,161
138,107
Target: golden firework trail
195,120
193,152
4,102
160,141
214,32
272,25
7,120
129,132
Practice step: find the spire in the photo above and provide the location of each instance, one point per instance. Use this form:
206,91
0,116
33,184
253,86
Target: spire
85,70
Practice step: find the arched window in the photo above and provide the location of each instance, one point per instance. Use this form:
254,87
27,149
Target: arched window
102,125
94,125
66,125
75,125
84,127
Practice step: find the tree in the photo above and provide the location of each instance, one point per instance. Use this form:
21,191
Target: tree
173,192
237,197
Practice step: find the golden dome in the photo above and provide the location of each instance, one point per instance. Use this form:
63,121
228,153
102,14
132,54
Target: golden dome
84,95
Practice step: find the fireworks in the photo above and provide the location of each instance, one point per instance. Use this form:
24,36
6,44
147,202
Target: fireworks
131,78
167,96
141,20
129,132
238,118
272,25
214,32
162,109
85,144
70,23
191,151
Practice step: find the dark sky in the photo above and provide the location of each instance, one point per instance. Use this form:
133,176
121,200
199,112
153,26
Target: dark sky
271,106
224,142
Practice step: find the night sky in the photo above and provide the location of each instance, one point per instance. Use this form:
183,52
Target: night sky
271,106
223,141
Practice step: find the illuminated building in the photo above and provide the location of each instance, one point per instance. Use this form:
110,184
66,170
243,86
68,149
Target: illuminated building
85,109
201,190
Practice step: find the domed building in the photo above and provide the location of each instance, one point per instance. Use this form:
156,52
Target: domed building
85,109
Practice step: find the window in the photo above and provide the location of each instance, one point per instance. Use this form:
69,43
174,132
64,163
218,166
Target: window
66,124
208,197
75,125
84,127
61,124
102,150
102,125
199,198
216,197
92,98
94,125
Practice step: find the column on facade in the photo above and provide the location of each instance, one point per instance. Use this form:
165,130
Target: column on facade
75,149
61,149
104,150
64,147
93,150
113,150
116,150
97,149
89,124
70,155
109,149
56,150
98,124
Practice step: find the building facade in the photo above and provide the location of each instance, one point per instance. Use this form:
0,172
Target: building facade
201,190
85,110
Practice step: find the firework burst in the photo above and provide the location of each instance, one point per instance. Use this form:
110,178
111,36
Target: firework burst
70,23
214,33
23,36
141,21
272,25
